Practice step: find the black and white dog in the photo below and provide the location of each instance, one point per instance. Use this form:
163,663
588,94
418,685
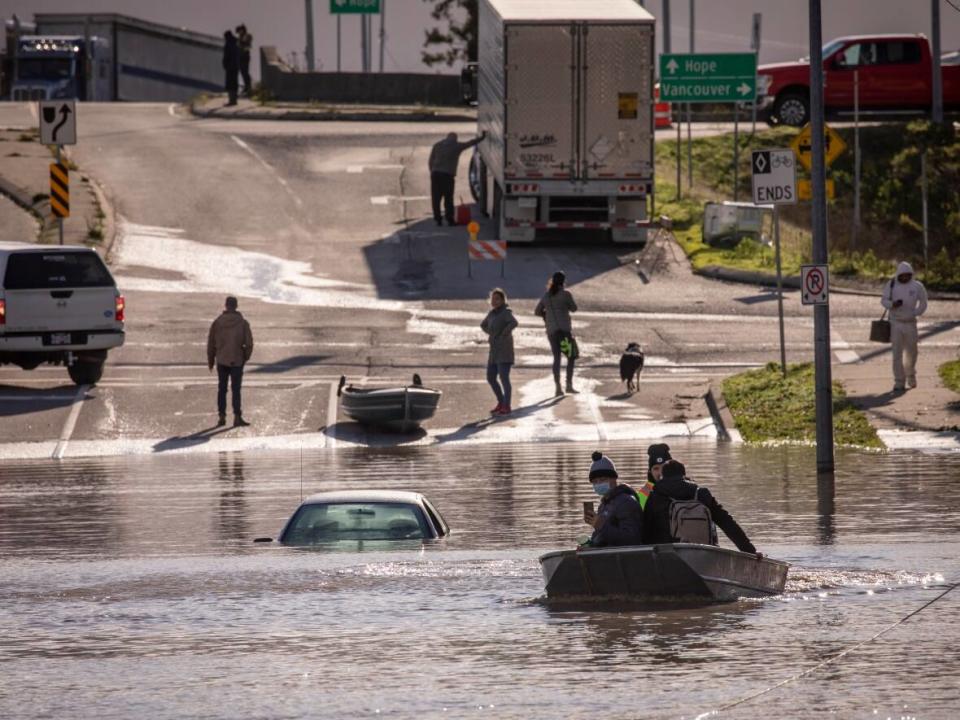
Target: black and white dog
631,363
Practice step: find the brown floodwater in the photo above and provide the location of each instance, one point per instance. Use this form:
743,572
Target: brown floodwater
129,587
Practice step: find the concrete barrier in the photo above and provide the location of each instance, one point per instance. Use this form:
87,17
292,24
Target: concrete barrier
282,83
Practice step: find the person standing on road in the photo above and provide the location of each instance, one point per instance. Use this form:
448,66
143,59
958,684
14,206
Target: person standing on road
619,519
229,345
443,163
555,307
244,47
231,65
498,325
906,299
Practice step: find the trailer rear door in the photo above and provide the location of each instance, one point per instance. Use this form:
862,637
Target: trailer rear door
541,108
617,140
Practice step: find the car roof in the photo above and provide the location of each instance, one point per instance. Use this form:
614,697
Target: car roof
883,36
10,246
363,496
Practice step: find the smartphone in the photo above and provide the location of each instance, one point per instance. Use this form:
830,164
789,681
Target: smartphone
588,511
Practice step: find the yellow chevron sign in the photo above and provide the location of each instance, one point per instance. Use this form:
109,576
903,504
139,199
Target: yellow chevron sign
60,190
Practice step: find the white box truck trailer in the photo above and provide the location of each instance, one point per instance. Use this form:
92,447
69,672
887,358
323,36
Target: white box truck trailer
565,95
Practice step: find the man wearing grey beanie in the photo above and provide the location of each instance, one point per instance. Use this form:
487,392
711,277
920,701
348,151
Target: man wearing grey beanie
619,519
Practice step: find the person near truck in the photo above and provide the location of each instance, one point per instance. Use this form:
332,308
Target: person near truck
229,346
555,307
673,485
231,66
618,520
906,299
443,163
499,325
244,47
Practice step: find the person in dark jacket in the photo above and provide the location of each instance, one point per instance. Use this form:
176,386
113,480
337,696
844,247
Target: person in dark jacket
244,47
673,485
444,159
555,307
231,66
229,346
499,325
619,519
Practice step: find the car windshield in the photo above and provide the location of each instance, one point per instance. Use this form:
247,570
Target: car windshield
44,68
331,522
53,270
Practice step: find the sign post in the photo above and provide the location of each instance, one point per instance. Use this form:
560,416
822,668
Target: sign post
774,174
58,126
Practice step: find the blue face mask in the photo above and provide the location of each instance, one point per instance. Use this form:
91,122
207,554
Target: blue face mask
601,488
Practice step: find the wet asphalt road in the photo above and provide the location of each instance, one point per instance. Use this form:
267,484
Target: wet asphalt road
323,231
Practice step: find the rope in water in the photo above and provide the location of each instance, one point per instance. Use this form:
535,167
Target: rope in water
828,661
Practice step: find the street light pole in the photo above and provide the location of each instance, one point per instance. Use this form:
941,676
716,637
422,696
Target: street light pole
821,313
689,107
936,107
309,21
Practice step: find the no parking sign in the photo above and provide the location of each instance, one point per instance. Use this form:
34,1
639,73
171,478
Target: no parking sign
814,284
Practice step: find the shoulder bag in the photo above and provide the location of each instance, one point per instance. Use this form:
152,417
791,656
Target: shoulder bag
880,329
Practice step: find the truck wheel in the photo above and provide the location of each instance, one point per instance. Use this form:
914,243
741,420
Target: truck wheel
498,209
85,373
791,109
474,176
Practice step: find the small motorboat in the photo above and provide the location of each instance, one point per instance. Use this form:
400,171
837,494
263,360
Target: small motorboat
683,570
394,408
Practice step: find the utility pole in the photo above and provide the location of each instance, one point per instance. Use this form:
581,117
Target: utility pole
309,21
338,42
821,313
689,106
936,108
383,34
666,26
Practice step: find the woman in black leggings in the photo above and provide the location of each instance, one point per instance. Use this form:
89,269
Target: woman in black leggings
555,307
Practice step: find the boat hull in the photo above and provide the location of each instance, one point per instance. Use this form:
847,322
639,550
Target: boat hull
401,409
661,571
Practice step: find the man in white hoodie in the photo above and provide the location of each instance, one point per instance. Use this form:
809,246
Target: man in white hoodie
906,299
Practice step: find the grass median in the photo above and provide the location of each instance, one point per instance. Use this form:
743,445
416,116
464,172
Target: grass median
950,374
768,407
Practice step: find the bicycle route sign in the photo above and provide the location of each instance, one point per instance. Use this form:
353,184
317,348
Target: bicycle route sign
774,177
814,284
705,78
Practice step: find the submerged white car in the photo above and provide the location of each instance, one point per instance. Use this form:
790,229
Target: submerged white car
59,304
365,515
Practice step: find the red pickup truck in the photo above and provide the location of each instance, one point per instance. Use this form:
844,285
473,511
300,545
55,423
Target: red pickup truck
895,76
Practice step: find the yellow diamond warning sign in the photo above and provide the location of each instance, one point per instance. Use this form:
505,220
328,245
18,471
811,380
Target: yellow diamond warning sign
833,146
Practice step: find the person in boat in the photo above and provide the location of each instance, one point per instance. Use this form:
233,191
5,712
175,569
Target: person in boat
498,325
672,486
657,455
618,520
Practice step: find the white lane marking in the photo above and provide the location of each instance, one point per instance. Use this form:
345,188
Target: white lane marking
387,199
841,348
590,399
330,434
71,422
270,168
172,109
357,169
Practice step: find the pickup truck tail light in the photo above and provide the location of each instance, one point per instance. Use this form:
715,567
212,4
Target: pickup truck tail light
3,312
120,308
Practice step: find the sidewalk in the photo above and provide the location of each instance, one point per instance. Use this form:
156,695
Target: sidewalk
25,180
927,417
216,107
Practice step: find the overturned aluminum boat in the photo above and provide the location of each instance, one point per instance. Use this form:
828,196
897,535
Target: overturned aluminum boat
661,571
394,408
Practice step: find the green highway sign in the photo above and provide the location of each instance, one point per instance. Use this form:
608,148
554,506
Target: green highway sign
355,7
703,78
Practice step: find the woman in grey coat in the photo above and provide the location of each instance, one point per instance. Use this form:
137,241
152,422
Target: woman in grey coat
498,325
555,307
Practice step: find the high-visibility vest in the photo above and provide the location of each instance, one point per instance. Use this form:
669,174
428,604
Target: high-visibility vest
643,494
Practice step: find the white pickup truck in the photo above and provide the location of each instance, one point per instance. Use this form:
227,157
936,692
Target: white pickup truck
58,304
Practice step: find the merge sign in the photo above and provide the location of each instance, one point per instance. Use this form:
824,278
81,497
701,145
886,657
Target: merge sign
814,284
706,78
774,177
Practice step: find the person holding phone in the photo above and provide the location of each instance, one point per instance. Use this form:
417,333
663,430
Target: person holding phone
906,299
619,519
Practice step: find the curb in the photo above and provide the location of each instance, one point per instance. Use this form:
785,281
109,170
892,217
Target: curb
330,115
751,277
109,219
722,417
44,220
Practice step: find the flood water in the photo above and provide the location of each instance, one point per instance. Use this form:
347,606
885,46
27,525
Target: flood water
129,587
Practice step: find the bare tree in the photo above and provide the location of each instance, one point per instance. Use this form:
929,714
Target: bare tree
455,40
